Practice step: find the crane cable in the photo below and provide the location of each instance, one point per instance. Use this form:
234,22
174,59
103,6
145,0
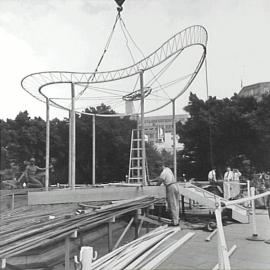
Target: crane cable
138,48
91,78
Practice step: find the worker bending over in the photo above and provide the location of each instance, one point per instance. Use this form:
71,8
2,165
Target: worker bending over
34,178
172,191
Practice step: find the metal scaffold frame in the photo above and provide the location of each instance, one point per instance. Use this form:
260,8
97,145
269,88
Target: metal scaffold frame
35,83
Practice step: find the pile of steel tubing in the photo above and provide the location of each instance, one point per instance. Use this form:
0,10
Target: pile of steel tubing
27,230
146,252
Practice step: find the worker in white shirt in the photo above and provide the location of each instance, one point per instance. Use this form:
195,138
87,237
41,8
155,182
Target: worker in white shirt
212,176
235,187
228,177
172,192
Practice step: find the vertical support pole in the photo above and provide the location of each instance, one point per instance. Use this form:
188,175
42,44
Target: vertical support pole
3,263
142,126
138,148
69,151
87,255
12,205
110,234
73,138
248,192
174,141
190,203
67,252
93,149
47,144
254,236
254,224
224,262
183,204
147,223
136,223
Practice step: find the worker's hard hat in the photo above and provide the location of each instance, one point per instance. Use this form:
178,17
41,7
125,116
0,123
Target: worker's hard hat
32,159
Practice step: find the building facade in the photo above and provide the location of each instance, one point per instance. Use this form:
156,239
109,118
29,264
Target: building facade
159,130
256,90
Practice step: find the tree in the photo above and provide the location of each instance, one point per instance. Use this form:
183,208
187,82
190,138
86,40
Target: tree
219,130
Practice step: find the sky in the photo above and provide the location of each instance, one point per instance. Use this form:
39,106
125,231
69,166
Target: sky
42,35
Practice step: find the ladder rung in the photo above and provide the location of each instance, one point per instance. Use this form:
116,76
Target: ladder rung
136,158
133,168
136,149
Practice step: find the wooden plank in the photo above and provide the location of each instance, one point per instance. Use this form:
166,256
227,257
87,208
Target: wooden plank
110,236
166,253
93,194
67,252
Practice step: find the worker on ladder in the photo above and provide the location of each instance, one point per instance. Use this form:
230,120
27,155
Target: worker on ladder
172,191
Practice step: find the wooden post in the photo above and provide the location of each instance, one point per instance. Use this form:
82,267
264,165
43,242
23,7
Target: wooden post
136,223
110,234
12,205
174,141
67,252
147,223
93,149
47,172
142,127
73,138
3,263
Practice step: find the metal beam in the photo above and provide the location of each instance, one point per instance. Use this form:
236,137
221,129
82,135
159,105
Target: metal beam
93,149
93,194
69,149
73,138
143,132
47,172
174,141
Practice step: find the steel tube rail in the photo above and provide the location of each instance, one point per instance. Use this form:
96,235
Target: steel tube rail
47,172
73,138
94,150
246,199
174,141
142,127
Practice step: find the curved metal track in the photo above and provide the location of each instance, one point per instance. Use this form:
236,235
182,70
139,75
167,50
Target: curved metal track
194,35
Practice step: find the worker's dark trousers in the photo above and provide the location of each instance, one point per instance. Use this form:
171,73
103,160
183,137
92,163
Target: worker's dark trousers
172,197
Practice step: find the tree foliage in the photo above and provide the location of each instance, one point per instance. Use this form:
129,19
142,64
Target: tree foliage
222,132
23,138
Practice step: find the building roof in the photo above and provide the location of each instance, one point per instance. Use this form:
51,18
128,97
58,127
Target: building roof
256,90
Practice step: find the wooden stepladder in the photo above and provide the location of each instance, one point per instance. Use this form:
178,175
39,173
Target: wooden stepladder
135,172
